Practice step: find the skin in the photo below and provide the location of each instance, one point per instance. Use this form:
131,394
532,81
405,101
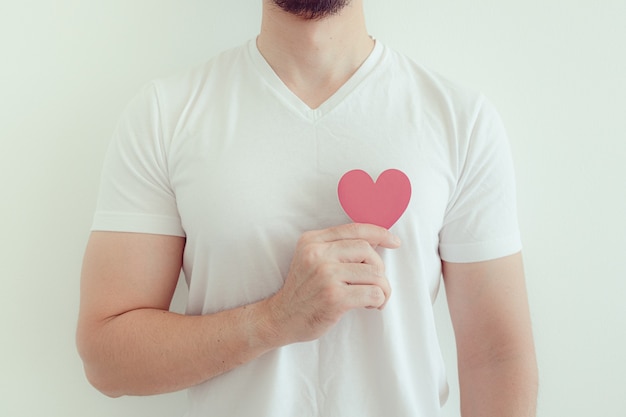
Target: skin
496,355
314,58
132,345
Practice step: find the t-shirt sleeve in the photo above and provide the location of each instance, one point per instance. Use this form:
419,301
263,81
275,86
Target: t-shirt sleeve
481,218
135,191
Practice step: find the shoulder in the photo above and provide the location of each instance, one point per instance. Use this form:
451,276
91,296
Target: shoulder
441,95
201,89
209,74
445,105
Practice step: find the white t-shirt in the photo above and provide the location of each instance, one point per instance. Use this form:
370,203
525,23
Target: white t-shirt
227,156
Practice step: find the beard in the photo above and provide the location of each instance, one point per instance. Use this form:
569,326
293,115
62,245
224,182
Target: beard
312,9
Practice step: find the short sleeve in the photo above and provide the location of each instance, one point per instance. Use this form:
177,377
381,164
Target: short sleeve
481,218
135,191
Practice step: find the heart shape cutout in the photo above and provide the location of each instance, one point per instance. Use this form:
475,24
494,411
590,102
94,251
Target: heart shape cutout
381,202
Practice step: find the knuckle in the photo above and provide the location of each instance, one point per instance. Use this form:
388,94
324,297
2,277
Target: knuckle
377,296
362,245
330,295
325,270
379,268
354,229
311,253
307,236
384,282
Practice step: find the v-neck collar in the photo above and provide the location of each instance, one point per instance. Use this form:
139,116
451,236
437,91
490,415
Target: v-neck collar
293,101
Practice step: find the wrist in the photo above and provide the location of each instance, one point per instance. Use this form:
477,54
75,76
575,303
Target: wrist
265,332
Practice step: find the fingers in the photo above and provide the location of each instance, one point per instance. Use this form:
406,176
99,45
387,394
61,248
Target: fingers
354,251
347,254
333,271
366,296
356,277
374,235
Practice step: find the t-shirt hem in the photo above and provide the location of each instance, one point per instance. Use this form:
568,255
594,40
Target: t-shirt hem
480,251
137,223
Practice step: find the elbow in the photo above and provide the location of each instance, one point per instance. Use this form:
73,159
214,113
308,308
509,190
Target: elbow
103,384
98,371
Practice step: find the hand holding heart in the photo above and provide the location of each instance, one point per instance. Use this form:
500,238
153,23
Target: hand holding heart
333,271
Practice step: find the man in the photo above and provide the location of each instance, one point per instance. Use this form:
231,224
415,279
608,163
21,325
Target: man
230,171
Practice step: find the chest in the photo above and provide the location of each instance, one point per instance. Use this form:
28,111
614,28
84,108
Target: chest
268,168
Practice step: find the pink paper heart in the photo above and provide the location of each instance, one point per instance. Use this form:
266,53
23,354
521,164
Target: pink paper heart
381,202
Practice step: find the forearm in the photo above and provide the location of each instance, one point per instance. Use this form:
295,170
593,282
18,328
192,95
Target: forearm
148,351
131,345
500,387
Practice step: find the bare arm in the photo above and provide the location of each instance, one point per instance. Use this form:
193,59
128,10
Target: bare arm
496,357
129,342
132,345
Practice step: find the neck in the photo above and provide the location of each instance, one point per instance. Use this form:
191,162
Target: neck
314,58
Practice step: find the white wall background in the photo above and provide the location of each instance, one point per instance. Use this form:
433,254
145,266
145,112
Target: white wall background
556,70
